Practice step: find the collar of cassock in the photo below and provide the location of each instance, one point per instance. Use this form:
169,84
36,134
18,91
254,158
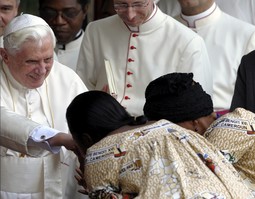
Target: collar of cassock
191,20
63,46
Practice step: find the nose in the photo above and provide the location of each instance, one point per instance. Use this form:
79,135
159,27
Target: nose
1,20
41,69
131,13
2,25
59,19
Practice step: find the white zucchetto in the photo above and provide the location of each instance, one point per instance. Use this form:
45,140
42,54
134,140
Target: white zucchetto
23,21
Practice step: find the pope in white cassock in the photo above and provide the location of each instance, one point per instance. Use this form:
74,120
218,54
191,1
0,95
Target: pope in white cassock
36,157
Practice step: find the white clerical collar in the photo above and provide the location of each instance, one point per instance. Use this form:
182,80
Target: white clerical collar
63,46
136,29
191,20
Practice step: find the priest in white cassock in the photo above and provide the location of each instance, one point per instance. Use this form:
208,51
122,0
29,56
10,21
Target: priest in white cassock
227,39
241,9
140,43
37,152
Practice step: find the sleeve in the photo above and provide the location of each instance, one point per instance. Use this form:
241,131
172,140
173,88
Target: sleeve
16,131
85,65
196,58
39,137
109,192
232,134
239,97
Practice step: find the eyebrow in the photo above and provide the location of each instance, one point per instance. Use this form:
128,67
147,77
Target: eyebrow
121,2
6,6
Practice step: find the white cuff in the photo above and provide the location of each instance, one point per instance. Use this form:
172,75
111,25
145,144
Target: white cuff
39,137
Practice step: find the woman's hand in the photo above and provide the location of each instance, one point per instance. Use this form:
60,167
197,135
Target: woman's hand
81,181
63,139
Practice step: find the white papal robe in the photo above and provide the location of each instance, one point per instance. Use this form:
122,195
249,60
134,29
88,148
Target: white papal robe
227,39
161,45
28,171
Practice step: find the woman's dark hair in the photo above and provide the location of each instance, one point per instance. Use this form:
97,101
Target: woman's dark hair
94,114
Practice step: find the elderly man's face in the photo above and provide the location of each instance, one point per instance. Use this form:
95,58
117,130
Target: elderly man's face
133,12
32,63
8,10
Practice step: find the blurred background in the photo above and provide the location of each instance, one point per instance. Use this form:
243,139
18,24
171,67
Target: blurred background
29,6
98,8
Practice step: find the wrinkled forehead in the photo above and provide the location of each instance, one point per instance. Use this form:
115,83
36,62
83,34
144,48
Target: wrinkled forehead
59,3
131,1
13,3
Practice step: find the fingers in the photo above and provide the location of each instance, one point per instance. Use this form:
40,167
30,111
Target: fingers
79,180
79,172
105,88
83,191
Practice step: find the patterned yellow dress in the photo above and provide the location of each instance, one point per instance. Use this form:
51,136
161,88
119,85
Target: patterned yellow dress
158,161
234,135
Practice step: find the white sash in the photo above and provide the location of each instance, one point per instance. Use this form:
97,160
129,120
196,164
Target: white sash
32,175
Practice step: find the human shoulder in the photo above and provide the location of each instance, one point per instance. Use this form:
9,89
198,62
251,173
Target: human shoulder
238,121
61,74
108,21
132,134
231,130
248,62
74,44
182,31
235,22
61,69
153,129
250,57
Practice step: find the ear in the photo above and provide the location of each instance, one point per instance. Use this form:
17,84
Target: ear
85,10
187,124
195,124
4,55
16,12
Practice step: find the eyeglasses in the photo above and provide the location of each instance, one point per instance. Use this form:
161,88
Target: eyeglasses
123,7
68,14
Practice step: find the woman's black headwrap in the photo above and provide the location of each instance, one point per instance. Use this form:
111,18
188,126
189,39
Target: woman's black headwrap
177,98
